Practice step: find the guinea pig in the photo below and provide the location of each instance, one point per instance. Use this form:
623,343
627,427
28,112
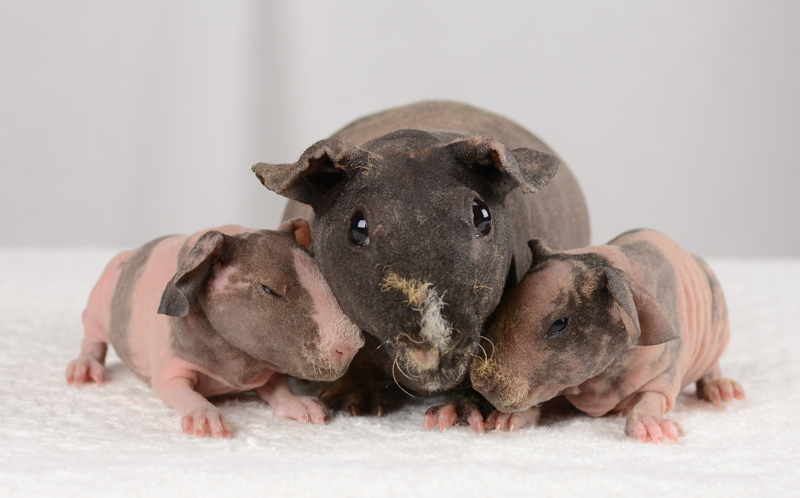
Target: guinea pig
224,310
621,327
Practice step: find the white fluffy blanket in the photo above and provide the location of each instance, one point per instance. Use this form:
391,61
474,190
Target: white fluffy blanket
121,440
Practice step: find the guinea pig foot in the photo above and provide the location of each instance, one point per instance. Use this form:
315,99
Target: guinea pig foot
359,399
355,400
303,409
717,390
503,421
463,412
654,428
206,422
84,369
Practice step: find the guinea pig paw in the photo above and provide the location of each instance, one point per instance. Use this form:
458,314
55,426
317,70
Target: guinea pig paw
503,421
206,421
355,402
721,389
653,428
84,369
303,409
445,416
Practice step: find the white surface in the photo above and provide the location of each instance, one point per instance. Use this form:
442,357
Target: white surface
121,440
122,121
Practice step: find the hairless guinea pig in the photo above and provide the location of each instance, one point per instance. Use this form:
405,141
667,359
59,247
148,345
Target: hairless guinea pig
615,328
237,309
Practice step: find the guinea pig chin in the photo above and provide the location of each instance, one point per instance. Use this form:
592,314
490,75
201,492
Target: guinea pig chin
428,369
505,390
321,365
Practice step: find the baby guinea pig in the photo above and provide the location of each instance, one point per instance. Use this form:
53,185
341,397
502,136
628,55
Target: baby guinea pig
222,311
621,327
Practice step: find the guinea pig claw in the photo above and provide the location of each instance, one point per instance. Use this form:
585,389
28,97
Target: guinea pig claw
475,419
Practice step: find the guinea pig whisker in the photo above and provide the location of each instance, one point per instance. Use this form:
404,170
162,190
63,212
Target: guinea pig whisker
485,356
494,349
406,374
395,378
421,341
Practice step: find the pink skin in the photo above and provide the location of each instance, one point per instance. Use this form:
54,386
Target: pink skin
503,421
185,385
446,416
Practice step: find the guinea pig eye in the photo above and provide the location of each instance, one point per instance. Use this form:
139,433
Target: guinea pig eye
270,291
359,233
557,327
481,218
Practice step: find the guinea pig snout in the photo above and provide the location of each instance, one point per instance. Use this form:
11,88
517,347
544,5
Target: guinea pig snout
485,385
501,388
423,359
482,378
341,352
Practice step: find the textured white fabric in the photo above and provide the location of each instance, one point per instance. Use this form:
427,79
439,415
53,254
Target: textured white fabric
121,440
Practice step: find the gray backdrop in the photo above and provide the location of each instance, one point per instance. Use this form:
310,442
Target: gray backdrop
122,121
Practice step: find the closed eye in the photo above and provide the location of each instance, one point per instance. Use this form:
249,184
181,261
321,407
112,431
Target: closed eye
557,327
270,291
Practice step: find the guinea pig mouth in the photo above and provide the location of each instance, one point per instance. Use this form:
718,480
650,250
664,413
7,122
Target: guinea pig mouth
320,366
430,370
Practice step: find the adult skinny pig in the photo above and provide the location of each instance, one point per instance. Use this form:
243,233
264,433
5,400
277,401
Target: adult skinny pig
236,310
615,328
421,216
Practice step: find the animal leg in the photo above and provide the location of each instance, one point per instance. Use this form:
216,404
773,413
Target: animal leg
358,392
90,364
715,388
200,417
645,420
286,404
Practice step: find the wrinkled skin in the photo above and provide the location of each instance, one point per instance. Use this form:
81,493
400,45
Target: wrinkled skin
615,328
432,270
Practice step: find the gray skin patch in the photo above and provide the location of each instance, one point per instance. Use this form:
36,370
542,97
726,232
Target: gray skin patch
591,343
659,278
239,330
122,301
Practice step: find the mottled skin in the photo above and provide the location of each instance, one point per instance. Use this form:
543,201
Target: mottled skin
430,274
621,327
222,311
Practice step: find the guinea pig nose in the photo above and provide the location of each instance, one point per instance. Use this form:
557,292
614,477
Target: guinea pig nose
341,355
423,359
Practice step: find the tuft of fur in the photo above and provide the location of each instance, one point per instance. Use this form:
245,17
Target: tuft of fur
416,290
422,297
433,326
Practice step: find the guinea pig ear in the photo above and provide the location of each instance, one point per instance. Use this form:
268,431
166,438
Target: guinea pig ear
525,168
300,228
182,290
539,251
321,167
645,319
